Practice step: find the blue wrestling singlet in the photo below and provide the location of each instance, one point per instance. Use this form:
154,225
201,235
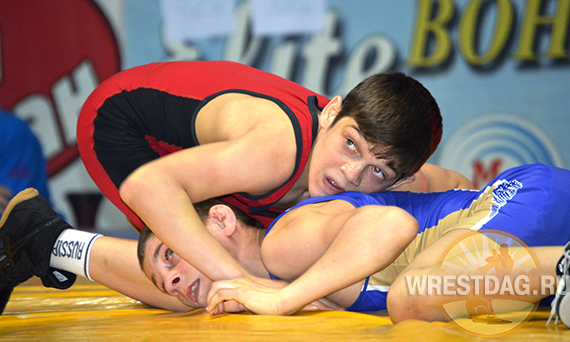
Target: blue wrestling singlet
530,202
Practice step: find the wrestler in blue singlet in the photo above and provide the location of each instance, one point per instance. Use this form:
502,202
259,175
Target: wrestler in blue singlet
530,202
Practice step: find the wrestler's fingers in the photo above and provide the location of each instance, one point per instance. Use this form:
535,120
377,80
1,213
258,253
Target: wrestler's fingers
223,284
312,307
233,306
250,294
216,302
330,305
216,310
227,306
322,304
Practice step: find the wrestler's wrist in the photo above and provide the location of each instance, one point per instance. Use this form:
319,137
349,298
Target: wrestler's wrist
233,273
288,302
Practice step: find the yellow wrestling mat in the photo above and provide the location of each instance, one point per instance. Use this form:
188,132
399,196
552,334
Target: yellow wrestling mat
92,312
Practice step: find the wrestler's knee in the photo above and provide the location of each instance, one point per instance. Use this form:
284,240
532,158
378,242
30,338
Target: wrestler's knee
400,304
403,302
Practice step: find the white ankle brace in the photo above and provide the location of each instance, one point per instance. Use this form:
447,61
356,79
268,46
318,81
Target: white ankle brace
71,251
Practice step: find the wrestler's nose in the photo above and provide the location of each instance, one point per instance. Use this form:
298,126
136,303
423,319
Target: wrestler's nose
172,284
353,171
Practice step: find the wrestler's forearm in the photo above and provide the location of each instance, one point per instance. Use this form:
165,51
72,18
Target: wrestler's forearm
442,179
366,244
167,210
433,178
113,263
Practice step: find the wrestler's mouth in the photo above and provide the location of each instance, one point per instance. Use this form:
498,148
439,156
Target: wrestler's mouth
331,184
194,291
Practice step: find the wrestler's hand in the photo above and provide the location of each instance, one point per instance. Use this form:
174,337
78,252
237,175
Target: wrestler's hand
244,294
228,306
251,296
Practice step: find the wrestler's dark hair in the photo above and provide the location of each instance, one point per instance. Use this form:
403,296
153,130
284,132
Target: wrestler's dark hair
203,209
398,116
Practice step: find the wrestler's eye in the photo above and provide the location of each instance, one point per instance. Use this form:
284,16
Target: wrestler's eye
168,254
351,145
378,172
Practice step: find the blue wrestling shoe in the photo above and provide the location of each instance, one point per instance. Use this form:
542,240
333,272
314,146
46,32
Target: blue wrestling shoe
28,230
561,303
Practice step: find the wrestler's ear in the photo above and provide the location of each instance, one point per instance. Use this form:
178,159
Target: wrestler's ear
223,218
402,182
330,112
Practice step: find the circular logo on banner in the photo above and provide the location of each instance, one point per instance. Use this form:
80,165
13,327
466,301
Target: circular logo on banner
487,282
493,143
52,55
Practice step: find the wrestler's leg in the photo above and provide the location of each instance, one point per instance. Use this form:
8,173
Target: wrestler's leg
404,305
34,240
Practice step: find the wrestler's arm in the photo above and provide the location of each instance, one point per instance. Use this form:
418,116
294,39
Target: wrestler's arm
324,251
433,178
113,263
235,155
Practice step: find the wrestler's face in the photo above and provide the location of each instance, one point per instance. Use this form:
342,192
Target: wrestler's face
341,161
173,275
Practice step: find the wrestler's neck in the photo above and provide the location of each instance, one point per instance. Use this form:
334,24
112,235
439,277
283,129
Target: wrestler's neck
248,251
298,193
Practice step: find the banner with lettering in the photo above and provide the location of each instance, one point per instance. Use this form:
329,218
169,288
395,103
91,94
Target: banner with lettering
500,70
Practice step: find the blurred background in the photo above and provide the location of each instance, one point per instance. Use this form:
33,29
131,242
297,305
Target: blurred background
500,70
